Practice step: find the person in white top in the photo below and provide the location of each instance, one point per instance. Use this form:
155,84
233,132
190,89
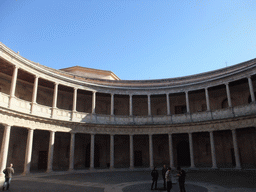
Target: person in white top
168,178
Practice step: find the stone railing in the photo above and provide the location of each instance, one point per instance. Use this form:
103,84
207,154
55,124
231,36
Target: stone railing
67,115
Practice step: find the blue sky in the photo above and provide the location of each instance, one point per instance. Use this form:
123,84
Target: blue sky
136,39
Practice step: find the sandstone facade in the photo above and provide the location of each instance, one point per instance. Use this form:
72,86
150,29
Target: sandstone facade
58,120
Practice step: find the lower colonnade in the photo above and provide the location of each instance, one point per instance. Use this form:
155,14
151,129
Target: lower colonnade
158,145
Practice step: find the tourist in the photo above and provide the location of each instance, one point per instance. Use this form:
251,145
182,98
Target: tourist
154,174
168,177
181,175
164,169
8,176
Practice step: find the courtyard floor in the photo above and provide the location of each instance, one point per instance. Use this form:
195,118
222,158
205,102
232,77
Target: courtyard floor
138,180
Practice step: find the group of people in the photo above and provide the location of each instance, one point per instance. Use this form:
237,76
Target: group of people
167,177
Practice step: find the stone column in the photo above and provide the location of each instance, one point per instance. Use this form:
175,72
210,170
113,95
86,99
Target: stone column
168,104
50,151
93,102
171,151
4,149
131,153
251,89
191,150
130,96
13,84
112,152
55,96
151,159
112,104
72,152
236,150
74,100
207,99
74,103
187,102
28,155
34,95
92,151
214,163
149,106
228,95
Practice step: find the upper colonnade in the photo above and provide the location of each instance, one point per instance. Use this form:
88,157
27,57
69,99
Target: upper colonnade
163,101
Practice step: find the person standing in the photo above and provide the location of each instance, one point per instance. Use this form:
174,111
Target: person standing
168,177
154,174
164,169
8,176
181,175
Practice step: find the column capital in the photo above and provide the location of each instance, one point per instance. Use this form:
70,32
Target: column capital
227,83
75,88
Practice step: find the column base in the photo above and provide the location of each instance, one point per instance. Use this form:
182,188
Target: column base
131,168
111,168
91,168
49,171
71,170
238,168
214,168
25,173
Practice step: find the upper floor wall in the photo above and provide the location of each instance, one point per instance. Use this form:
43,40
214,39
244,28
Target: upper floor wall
38,90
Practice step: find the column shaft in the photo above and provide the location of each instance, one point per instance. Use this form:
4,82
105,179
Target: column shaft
149,106
55,96
111,151
112,104
92,151
13,86
93,102
228,95
5,148
50,151
207,100
187,102
131,153
236,150
74,99
72,152
168,104
171,151
28,155
151,160
251,89
130,99
35,87
191,150
14,81
214,163
34,95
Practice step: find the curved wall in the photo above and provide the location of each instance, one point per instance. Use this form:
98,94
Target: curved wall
150,119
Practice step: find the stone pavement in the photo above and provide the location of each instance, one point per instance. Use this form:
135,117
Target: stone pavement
123,180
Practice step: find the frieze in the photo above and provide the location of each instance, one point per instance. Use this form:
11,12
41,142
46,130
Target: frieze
26,121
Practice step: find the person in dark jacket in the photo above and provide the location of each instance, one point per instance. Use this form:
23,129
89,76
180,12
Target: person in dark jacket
181,175
164,169
8,176
154,174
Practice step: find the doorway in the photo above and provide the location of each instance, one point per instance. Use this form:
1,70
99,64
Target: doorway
137,158
42,160
96,155
183,154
